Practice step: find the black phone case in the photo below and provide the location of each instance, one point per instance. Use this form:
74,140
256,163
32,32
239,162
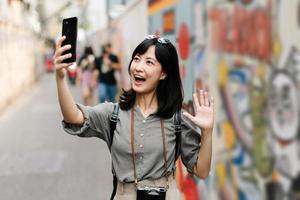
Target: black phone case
69,29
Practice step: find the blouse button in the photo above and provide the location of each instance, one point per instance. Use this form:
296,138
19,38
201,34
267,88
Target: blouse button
142,134
141,146
144,121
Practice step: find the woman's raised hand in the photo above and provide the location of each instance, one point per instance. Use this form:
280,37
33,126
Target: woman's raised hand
204,111
58,57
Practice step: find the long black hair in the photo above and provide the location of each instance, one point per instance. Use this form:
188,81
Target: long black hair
169,90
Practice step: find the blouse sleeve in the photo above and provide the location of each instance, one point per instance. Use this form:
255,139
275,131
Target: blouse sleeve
189,144
96,122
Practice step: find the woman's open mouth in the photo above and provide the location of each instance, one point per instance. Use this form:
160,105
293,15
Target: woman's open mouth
139,79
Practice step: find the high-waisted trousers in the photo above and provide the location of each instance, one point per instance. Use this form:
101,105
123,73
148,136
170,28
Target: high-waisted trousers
127,191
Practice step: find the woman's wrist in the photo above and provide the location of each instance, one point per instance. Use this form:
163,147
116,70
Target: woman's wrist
60,74
206,132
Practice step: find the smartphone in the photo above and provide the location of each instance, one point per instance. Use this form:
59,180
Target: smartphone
69,29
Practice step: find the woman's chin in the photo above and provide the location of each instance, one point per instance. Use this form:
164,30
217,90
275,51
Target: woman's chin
137,89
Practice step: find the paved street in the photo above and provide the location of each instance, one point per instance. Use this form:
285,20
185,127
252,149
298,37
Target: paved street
39,161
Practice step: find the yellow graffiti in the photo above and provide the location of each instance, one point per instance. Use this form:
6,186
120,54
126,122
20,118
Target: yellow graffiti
262,71
223,180
223,73
276,48
221,174
229,135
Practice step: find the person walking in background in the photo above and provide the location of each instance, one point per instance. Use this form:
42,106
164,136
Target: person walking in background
88,75
143,144
106,65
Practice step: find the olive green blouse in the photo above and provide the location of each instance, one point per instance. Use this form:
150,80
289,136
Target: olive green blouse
147,138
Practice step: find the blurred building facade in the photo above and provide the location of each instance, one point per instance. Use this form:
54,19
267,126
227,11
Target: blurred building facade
28,30
127,25
19,51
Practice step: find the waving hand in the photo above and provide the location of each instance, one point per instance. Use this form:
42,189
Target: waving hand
204,111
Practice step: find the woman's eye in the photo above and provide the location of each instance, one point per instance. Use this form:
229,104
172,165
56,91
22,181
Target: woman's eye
150,62
136,58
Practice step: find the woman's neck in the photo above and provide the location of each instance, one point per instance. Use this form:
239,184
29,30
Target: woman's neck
147,103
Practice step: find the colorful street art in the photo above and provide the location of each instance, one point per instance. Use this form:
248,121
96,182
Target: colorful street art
247,52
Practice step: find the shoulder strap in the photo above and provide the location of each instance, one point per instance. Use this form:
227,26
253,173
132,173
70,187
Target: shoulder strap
177,123
113,122
115,185
112,126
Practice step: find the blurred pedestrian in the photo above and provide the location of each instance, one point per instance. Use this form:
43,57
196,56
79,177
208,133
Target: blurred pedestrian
106,65
88,75
143,146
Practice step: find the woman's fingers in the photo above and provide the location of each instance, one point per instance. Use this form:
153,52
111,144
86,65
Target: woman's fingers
196,101
63,65
59,59
201,97
61,50
59,42
211,102
206,98
189,116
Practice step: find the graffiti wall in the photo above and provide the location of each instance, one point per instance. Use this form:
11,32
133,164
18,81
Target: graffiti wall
246,53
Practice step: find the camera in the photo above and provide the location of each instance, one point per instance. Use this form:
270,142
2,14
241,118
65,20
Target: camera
151,193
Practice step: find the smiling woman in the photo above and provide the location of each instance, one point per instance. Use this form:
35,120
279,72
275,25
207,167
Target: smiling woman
144,144
146,73
154,71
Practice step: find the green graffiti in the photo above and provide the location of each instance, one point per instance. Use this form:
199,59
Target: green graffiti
261,154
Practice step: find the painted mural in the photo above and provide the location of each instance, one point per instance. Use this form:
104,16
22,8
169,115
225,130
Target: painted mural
247,52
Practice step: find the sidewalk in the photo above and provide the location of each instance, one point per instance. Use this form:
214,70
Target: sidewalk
38,160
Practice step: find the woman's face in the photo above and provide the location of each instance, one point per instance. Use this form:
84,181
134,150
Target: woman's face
146,72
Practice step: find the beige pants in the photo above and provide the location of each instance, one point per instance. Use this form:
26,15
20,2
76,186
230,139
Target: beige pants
127,191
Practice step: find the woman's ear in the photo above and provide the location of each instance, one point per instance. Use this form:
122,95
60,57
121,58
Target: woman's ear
163,76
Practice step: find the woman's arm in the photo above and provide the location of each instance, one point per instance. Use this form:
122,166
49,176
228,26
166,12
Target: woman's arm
71,113
203,164
204,119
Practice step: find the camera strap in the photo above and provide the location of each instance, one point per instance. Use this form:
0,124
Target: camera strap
132,148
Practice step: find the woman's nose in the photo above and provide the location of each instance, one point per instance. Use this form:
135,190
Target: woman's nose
139,66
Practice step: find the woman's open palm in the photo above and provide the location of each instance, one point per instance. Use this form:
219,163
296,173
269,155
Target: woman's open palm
204,110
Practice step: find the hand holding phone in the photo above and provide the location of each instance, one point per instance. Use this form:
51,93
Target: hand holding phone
69,30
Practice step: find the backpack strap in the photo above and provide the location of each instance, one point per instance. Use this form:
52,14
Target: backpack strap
113,122
177,123
112,126
115,185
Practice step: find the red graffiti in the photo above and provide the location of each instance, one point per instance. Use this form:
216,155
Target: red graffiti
242,31
186,183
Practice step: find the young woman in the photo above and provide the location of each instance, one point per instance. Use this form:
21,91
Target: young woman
143,148
88,74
